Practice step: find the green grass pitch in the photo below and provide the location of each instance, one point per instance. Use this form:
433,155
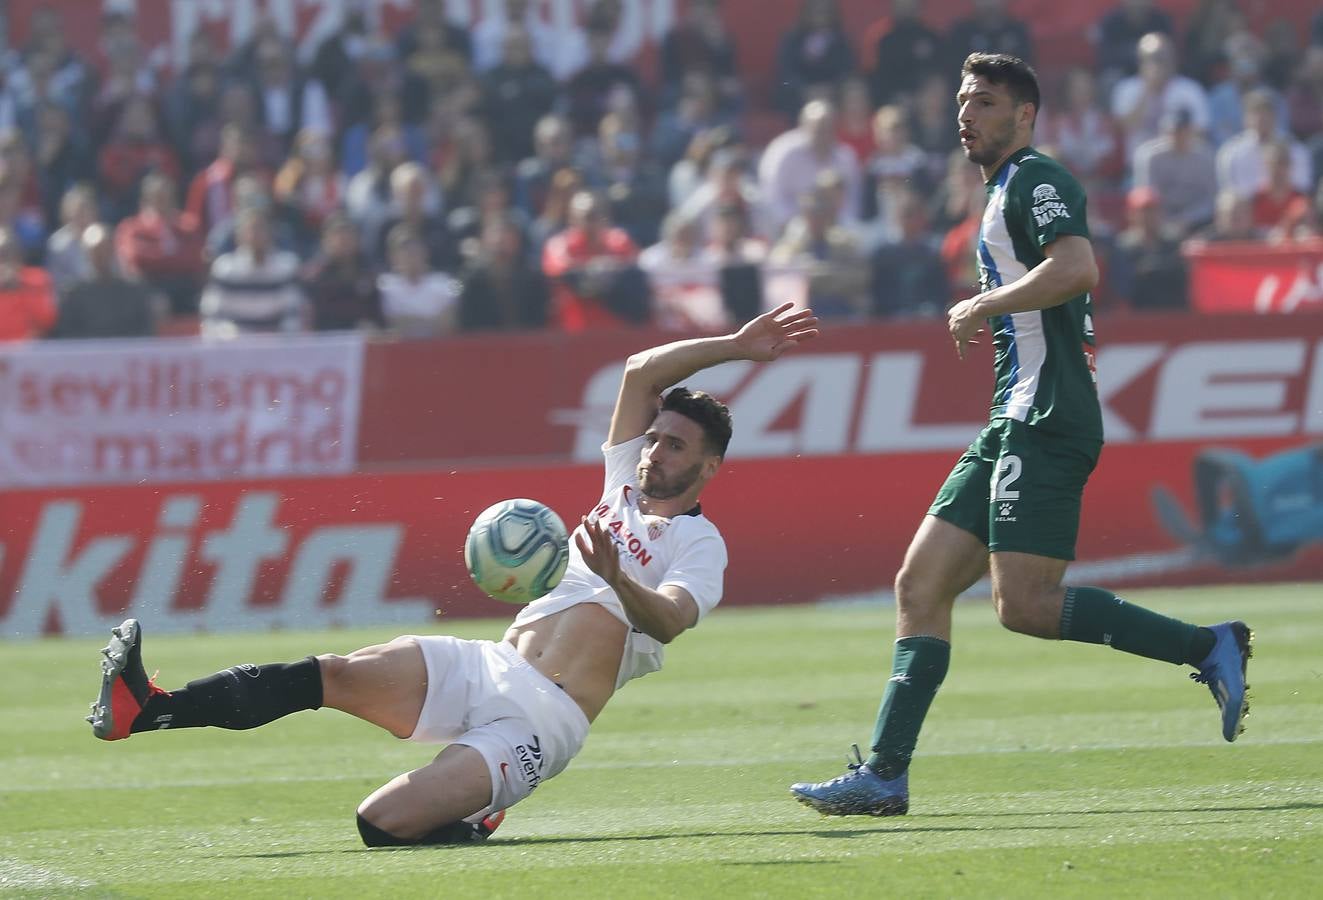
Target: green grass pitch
1046,769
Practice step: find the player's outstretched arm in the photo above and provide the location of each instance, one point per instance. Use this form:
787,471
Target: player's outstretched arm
649,372
662,613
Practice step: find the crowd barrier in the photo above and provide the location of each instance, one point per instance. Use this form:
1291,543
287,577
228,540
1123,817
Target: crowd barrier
329,480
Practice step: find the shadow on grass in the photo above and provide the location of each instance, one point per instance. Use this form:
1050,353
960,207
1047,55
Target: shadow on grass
1265,807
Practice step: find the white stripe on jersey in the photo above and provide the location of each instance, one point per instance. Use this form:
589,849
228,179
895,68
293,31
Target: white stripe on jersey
1028,348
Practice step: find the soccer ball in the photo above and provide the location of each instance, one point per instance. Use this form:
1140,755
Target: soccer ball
517,550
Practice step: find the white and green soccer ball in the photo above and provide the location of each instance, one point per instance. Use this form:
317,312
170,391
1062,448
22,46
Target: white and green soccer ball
517,550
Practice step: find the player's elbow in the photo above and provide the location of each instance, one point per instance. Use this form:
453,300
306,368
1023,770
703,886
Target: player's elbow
1087,274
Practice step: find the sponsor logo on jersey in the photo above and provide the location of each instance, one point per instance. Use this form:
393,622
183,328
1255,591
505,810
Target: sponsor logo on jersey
529,758
1048,205
627,542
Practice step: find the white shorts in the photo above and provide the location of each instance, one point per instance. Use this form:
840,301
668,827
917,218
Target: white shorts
486,696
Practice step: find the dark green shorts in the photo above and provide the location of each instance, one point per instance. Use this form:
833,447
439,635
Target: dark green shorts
1018,489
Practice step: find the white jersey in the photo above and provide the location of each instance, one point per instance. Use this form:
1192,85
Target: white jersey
686,551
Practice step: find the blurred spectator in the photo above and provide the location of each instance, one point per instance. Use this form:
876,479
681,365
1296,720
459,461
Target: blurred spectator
192,110
622,24
40,80
1140,102
368,193
516,93
288,103
1304,100
136,147
601,86
211,194
1146,268
990,30
1179,166
816,247
964,196
21,207
689,172
431,14
1206,34
697,110
415,204
60,157
634,187
69,73
553,149
1279,209
896,167
932,122
1118,34
792,161
591,266
469,158
387,115
375,76
8,103
701,45
909,276
555,215
499,20
66,259
309,186
255,288
1282,53
339,282
162,246
728,185
854,125
1082,135
103,304
126,74
27,301
252,192
685,292
416,300
1240,161
501,290
1226,100
435,70
739,256
906,54
814,58
466,224
338,55
1233,219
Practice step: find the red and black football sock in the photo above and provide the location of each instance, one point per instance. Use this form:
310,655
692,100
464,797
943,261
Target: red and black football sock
238,698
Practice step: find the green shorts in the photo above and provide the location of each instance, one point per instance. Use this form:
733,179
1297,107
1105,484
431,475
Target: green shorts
1019,489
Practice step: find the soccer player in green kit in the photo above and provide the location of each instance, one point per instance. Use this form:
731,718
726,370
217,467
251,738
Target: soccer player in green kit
1012,502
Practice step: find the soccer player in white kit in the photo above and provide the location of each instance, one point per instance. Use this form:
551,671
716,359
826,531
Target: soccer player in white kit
645,565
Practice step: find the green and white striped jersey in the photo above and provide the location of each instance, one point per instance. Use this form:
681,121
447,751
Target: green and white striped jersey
1044,359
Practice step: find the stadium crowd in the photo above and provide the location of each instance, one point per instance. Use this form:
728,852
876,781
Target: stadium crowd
441,179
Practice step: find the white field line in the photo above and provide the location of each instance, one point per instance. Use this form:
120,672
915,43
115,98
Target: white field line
595,765
15,874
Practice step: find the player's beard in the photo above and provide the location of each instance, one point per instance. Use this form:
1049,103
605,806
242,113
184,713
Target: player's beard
994,145
659,488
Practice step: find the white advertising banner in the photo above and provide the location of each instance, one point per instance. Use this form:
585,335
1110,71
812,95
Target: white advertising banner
107,412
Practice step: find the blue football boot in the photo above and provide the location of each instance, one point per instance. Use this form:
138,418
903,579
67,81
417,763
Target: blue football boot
859,792
1224,673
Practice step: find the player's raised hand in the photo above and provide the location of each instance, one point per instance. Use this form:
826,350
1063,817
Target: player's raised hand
773,333
599,551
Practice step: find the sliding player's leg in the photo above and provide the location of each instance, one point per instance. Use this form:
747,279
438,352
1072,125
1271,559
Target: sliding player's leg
430,805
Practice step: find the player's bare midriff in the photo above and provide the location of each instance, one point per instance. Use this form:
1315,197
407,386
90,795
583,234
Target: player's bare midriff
578,648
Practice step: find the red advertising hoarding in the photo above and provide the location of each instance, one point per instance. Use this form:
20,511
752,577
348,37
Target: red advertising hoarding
1256,277
843,446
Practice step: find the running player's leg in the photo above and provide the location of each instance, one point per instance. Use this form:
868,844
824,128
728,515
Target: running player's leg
942,562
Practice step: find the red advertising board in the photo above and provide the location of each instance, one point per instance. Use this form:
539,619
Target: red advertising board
849,440
1256,277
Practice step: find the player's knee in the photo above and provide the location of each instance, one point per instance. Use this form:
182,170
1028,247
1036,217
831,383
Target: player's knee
377,837
1019,612
382,824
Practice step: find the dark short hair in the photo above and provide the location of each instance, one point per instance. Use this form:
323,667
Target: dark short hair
707,411
1018,76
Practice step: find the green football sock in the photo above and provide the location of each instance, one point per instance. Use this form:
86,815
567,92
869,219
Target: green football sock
917,670
1095,616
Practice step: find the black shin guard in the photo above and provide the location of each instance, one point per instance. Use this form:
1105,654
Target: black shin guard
238,698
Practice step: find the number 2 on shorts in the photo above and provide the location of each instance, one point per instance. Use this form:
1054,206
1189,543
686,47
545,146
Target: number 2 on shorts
1010,463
